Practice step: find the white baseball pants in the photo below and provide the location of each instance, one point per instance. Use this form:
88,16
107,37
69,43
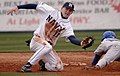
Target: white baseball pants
112,54
43,49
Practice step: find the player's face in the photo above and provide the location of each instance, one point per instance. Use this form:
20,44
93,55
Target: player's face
66,12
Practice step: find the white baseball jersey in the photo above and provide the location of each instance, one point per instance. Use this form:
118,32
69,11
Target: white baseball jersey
61,28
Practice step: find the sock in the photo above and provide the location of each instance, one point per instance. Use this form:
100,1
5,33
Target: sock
96,59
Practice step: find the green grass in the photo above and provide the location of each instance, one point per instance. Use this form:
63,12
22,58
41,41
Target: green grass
28,74
15,42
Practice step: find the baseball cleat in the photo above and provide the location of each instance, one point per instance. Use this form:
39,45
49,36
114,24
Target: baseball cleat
26,68
42,65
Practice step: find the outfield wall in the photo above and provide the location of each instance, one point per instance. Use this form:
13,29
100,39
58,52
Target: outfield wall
88,15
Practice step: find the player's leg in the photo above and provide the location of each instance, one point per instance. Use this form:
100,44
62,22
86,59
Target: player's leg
43,49
40,49
109,57
53,62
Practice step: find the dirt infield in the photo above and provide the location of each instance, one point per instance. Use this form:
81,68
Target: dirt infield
11,62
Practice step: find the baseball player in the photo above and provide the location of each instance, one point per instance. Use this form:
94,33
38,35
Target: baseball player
109,47
53,24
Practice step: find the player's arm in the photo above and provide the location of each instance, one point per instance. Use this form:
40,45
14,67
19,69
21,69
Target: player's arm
26,6
74,40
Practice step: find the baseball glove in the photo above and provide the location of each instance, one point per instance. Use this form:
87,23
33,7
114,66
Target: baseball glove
87,42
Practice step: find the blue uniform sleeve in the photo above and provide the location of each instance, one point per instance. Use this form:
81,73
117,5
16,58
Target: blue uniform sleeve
74,40
27,6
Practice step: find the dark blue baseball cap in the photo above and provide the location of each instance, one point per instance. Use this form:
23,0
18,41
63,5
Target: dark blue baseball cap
69,5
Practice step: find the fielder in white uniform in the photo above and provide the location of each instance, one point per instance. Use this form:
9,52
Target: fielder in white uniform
53,24
109,47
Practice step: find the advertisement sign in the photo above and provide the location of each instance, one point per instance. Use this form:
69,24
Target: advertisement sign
88,15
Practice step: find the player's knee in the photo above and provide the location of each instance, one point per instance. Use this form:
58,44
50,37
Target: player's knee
54,67
102,63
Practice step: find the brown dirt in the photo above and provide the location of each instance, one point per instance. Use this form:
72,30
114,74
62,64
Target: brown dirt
11,62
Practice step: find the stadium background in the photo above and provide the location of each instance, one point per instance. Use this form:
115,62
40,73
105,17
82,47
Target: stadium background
91,18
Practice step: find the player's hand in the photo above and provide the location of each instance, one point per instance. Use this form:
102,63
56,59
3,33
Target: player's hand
12,11
90,67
